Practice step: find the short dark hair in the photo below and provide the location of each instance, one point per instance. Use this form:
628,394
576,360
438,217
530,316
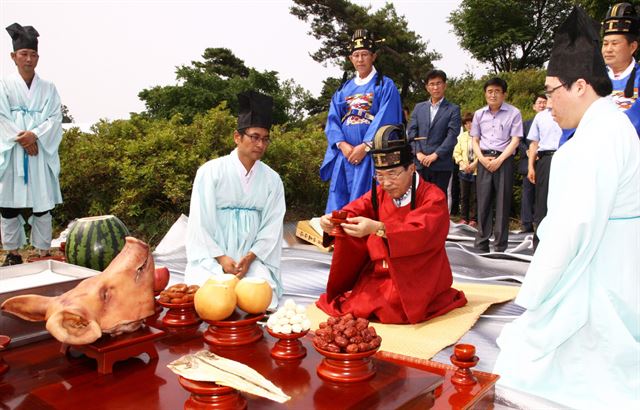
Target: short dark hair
601,84
544,97
436,74
467,117
496,81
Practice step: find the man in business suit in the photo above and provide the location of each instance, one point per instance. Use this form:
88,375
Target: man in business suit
433,130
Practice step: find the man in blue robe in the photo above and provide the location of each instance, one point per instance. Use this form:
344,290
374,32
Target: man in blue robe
621,28
237,206
30,133
578,343
361,106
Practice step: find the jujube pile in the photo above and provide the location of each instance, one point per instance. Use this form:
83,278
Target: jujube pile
346,334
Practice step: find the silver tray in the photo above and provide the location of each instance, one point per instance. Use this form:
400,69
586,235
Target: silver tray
46,278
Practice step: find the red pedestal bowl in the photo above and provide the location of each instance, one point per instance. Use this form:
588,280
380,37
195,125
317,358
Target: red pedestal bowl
239,329
288,346
346,367
180,314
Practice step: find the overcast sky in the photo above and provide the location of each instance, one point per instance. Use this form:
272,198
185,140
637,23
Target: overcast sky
101,54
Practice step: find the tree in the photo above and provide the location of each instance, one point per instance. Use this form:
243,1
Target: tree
509,34
404,55
220,77
66,115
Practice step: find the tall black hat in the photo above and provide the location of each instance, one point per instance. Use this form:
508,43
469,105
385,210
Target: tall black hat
621,18
23,37
256,110
391,149
363,40
576,51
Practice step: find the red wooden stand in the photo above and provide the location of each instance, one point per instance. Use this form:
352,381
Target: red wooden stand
288,346
210,396
239,329
180,314
108,350
464,358
4,342
346,367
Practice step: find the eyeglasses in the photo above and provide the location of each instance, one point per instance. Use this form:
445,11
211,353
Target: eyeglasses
494,92
388,177
435,84
549,92
255,138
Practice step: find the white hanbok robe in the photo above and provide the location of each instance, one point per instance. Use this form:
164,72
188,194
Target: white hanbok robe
229,216
578,343
36,109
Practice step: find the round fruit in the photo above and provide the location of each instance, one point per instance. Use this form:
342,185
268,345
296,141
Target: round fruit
253,295
228,279
215,302
94,241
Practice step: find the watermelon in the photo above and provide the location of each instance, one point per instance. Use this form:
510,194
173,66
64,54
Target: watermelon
94,241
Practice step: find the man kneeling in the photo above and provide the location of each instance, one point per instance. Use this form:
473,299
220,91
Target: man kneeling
391,264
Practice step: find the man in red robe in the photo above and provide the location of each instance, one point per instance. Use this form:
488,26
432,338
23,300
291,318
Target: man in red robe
391,265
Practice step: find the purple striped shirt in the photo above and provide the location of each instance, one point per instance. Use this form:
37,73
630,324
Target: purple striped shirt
495,130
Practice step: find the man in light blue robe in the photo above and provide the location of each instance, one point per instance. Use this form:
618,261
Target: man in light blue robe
237,206
358,109
578,343
30,133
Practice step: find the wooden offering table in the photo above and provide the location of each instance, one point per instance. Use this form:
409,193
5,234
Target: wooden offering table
40,377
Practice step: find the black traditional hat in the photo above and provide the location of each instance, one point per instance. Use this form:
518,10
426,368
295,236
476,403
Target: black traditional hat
390,147
362,40
23,37
256,110
576,51
621,18
390,150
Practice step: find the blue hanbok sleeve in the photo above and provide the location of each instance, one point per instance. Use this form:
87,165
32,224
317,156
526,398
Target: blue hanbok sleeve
8,128
389,110
634,115
201,247
268,243
49,131
333,129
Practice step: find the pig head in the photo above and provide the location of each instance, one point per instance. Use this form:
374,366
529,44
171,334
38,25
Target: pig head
115,301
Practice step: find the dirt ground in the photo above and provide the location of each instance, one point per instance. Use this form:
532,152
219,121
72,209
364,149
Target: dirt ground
29,254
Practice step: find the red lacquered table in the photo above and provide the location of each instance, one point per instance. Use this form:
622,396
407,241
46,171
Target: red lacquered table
40,377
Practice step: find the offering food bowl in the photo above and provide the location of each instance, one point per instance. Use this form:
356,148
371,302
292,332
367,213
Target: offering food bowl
288,346
237,330
346,367
208,395
180,314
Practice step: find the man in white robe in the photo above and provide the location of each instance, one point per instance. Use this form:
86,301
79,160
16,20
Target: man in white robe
578,343
237,206
30,133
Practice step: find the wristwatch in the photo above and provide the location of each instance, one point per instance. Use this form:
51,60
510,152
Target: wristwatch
381,231
367,146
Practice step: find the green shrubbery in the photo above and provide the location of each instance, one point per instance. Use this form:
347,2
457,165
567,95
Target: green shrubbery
142,170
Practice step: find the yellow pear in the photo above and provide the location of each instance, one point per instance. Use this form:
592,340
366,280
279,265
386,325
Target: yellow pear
253,295
214,301
228,279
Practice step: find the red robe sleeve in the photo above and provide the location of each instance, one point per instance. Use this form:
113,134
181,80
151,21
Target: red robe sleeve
350,255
